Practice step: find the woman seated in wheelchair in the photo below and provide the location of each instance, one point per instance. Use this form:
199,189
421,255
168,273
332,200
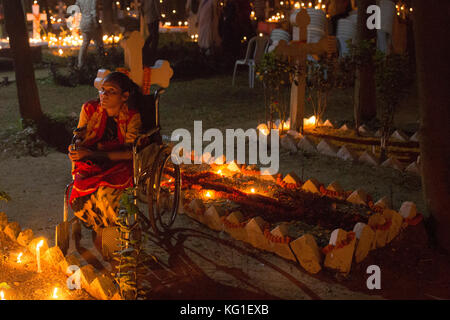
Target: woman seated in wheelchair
102,155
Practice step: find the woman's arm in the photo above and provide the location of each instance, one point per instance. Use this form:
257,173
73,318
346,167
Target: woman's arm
113,155
81,153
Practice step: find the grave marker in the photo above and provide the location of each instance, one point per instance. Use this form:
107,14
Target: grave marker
36,17
298,50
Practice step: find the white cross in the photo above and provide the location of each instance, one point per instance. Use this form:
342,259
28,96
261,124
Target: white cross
36,17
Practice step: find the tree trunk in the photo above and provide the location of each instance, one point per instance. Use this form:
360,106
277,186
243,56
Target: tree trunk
365,107
431,38
107,22
27,92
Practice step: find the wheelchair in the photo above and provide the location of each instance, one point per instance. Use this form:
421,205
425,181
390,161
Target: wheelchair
157,183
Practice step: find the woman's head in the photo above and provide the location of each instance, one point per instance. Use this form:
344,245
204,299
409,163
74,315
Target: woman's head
116,90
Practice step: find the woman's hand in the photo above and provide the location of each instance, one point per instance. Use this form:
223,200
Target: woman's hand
79,154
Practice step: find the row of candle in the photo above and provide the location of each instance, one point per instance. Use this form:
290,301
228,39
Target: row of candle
53,296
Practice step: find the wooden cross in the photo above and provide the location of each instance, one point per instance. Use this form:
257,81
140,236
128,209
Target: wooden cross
160,74
132,49
36,17
299,50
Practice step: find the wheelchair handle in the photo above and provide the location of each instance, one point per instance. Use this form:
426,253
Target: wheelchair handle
157,94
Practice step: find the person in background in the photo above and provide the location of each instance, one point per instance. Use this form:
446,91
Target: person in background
244,9
90,29
229,29
151,9
338,9
208,26
260,10
191,11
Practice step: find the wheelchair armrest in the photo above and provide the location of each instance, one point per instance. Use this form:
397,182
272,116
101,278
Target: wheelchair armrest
159,92
145,135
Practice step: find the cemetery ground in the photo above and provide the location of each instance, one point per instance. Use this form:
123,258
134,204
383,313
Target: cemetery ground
199,263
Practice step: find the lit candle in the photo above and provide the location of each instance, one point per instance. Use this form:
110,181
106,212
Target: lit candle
2,295
55,295
38,255
18,258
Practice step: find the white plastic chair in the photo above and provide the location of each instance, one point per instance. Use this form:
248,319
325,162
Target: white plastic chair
256,48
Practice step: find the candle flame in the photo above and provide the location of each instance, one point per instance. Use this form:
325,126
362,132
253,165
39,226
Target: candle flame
55,294
2,295
310,121
40,244
18,258
60,52
263,129
252,190
219,171
208,194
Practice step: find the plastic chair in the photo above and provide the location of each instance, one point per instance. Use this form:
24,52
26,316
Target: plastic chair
256,48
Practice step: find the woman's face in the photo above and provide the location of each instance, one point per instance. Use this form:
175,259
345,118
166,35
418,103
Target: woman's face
112,98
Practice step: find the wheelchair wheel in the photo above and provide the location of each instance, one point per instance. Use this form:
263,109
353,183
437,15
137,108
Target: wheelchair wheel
163,192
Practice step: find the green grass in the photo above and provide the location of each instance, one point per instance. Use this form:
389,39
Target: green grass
212,100
55,100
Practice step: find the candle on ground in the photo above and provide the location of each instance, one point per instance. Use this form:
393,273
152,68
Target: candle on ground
55,293
18,258
38,255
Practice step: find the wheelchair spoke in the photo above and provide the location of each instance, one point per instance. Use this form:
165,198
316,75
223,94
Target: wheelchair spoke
164,194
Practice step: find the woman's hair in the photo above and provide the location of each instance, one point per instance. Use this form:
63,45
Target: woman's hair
126,85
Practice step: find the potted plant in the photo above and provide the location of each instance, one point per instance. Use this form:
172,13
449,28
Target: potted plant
393,76
319,82
276,75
